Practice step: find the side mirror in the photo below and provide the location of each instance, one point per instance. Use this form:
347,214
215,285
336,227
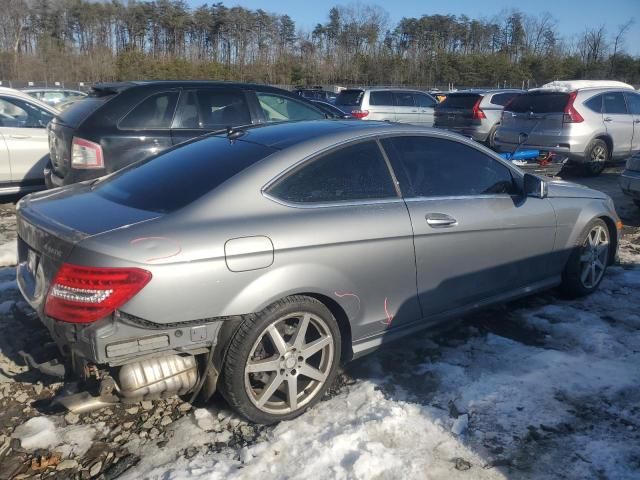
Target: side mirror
534,186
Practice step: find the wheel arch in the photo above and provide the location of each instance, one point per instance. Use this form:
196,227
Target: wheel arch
613,237
343,323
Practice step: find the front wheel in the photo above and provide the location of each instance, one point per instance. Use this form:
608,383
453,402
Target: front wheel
588,262
281,360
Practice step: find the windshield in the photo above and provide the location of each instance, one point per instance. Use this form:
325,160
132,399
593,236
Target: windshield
180,176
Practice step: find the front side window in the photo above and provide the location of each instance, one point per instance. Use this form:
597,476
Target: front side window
435,167
277,108
614,103
18,113
354,172
155,111
404,99
634,103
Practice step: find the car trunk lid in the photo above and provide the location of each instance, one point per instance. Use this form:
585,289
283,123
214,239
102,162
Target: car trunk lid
50,226
538,114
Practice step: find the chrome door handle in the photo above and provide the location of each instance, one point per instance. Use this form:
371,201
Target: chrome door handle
637,121
440,220
414,111
608,119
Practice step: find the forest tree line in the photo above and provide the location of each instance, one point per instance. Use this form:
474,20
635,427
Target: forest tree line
82,40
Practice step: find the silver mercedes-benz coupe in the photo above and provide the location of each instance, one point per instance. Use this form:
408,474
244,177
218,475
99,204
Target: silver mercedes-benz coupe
256,261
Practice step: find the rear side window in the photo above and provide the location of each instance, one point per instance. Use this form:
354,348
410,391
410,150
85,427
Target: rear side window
595,104
381,98
634,103
503,98
355,172
155,111
278,108
614,103
539,102
404,99
461,101
350,98
435,167
212,109
178,177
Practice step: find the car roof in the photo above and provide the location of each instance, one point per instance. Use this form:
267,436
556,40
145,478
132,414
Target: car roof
49,89
287,134
485,91
570,85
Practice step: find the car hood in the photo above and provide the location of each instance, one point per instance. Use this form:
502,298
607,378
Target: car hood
563,189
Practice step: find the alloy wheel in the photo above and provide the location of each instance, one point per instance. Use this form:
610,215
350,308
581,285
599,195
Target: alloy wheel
599,154
289,363
594,256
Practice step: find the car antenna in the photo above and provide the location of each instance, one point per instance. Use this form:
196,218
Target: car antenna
234,133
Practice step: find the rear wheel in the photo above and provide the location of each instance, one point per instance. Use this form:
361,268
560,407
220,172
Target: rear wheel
596,156
491,138
588,262
281,360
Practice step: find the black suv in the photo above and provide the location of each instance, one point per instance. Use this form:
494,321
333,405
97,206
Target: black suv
121,123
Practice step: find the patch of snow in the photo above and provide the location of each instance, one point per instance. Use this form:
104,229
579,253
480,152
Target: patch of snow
43,432
8,253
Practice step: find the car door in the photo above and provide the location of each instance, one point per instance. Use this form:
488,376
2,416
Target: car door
475,236
618,122
381,106
347,222
426,106
406,108
22,126
203,110
5,164
633,102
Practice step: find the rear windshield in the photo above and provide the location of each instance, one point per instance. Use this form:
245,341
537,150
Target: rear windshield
76,113
180,176
539,102
350,98
458,100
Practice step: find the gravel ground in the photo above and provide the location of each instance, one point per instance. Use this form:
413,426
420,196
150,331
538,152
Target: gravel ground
114,441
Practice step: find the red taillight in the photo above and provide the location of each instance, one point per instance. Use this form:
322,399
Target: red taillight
571,115
476,112
359,113
85,294
86,154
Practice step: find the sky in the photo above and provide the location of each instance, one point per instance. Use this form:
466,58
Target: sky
573,16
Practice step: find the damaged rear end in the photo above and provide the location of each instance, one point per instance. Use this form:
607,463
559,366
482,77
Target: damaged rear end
115,355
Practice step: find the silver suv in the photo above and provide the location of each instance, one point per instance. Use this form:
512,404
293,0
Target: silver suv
589,124
474,113
387,104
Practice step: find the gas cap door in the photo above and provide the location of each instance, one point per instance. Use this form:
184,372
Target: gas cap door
248,253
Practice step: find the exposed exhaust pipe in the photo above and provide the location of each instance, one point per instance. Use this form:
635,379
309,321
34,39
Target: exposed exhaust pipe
147,379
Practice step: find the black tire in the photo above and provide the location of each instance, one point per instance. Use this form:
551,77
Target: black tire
572,282
491,138
596,156
249,338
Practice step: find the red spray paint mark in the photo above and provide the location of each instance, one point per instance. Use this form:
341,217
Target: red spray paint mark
348,294
389,319
177,246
